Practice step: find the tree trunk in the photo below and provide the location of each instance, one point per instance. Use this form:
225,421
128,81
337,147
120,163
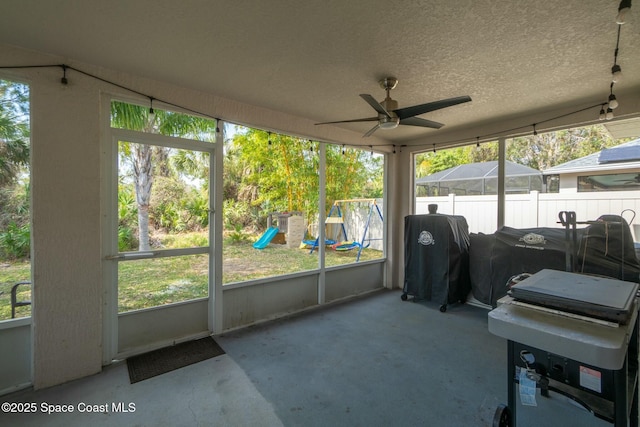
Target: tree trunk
143,228
144,182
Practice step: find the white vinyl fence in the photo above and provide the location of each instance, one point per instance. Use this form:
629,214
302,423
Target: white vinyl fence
536,209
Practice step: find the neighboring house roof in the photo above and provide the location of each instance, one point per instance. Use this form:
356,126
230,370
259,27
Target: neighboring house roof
623,156
477,171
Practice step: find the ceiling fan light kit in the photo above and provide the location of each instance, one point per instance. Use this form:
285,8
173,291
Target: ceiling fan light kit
390,116
388,122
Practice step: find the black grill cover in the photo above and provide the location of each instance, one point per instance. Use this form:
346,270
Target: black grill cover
604,245
436,257
494,258
480,254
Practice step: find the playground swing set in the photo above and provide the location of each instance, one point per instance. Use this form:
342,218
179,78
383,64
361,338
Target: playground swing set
336,217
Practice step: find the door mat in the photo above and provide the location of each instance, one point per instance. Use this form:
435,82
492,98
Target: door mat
167,359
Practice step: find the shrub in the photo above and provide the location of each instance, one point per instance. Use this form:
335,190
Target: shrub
238,213
238,235
127,206
126,239
15,241
198,209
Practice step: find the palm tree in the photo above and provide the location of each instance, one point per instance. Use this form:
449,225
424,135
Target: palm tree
14,129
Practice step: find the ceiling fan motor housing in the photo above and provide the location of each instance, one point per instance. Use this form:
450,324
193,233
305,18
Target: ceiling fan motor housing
392,120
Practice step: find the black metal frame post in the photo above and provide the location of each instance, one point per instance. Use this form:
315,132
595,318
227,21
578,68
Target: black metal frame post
511,373
568,220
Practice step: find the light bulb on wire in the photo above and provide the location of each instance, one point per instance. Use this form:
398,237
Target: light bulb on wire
616,74
64,80
623,9
609,114
152,113
613,102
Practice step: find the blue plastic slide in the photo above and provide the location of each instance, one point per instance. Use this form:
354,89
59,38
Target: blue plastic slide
266,238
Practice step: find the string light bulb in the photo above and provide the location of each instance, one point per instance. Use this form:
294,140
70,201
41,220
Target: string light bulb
616,73
609,114
269,139
64,80
152,113
477,142
613,102
623,9
602,114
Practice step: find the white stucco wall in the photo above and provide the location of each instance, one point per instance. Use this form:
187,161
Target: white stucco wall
66,230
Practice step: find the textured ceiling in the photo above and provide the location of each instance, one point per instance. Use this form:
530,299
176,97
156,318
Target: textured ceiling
313,58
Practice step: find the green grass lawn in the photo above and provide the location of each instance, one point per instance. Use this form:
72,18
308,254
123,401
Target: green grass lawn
10,274
151,282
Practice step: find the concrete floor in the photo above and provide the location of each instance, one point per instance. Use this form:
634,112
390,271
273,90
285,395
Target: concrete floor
372,361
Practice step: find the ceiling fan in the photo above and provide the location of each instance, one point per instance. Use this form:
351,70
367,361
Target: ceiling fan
390,116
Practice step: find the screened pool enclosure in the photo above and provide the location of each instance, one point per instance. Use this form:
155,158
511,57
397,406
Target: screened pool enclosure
480,178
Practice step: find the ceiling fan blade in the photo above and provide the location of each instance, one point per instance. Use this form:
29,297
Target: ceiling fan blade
416,110
367,119
375,104
417,121
371,131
